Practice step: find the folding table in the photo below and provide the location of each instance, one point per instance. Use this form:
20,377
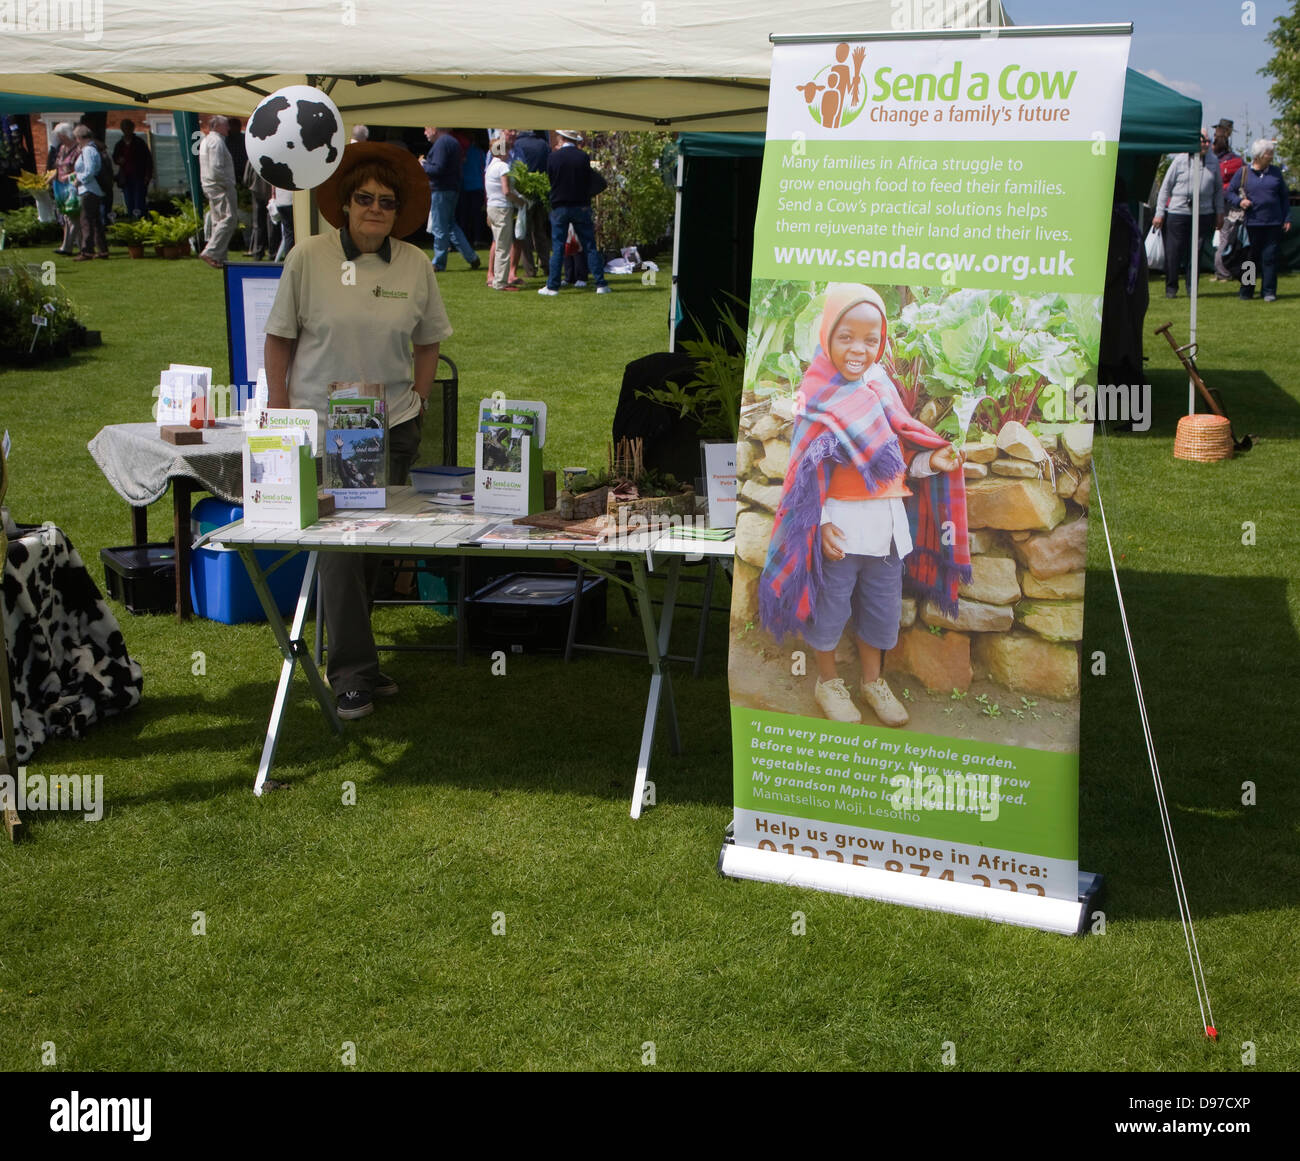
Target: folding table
410,526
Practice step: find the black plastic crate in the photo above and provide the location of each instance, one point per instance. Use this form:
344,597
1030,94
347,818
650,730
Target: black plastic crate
529,612
142,577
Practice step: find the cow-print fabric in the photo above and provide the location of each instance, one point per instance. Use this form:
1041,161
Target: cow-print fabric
68,664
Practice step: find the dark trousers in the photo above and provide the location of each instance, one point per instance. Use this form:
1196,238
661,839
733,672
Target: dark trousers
134,194
536,256
1178,246
575,268
580,218
347,584
471,217
1261,259
92,225
260,241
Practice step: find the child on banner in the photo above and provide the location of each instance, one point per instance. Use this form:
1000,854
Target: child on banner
848,523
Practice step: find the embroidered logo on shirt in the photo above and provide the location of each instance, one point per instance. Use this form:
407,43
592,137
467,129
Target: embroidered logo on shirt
380,292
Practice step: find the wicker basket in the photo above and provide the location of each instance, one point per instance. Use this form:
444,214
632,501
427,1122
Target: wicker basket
1204,438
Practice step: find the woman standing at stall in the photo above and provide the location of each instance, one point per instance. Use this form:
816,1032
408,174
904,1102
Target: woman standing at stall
355,304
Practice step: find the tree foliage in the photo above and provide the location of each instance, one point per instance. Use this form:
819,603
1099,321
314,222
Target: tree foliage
1284,69
637,206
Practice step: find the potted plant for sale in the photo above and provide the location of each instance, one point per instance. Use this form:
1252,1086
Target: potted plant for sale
187,224
625,489
134,235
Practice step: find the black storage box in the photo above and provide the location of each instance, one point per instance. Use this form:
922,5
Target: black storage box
142,577
529,612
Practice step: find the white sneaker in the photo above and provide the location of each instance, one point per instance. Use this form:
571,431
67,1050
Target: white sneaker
881,698
579,285
835,702
546,290
602,290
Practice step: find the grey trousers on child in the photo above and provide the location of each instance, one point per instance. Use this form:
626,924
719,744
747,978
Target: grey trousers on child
346,583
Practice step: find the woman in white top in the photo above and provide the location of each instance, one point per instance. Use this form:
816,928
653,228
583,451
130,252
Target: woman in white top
501,203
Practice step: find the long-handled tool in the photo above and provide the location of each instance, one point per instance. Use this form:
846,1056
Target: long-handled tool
1187,356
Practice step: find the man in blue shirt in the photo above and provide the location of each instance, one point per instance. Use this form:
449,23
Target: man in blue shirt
533,149
569,169
443,165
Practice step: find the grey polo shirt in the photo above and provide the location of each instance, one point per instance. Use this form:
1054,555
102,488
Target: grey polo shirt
354,317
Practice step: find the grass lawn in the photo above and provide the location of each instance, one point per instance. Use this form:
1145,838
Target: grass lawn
484,800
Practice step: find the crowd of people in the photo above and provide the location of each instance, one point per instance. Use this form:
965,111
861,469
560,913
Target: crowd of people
1248,203
83,175
474,203
468,186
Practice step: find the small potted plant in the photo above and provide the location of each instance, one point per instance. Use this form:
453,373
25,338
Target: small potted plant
187,225
627,488
134,235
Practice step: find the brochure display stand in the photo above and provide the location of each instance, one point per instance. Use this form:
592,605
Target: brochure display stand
356,446
280,473
508,457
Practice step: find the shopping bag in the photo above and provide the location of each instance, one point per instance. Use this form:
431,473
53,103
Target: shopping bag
521,223
1156,250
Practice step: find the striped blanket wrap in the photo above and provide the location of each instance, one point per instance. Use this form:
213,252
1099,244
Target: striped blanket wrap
862,423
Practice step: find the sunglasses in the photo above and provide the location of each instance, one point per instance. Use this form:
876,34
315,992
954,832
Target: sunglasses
387,204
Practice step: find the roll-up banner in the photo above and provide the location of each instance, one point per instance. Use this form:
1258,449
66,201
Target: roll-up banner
913,467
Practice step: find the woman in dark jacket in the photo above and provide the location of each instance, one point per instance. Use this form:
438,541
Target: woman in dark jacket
1260,189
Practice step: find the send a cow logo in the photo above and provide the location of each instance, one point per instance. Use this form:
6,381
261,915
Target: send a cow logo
836,94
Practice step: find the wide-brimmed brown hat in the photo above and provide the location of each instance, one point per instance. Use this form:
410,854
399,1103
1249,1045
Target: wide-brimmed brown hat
412,191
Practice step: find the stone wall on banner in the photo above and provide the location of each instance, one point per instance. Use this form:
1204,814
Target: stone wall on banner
1020,619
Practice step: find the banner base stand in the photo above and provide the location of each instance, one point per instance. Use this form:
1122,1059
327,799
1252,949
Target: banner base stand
1022,909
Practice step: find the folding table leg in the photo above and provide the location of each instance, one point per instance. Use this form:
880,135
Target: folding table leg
462,630
706,603
182,489
573,614
295,651
656,641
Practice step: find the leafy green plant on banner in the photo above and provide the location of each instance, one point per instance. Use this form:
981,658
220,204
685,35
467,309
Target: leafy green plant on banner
992,353
982,356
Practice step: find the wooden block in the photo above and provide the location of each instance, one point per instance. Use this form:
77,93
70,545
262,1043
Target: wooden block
181,434
548,490
324,504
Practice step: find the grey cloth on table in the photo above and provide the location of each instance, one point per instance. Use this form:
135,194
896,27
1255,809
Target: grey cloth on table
140,464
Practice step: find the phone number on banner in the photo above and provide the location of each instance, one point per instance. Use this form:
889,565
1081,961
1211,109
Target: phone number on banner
922,868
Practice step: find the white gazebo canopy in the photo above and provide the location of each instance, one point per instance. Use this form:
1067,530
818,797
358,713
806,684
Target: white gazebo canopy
591,64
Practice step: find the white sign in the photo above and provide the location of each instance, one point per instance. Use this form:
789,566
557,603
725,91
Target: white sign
720,483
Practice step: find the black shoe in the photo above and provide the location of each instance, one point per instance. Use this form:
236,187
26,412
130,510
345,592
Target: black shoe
1171,294
354,704
476,263
385,686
